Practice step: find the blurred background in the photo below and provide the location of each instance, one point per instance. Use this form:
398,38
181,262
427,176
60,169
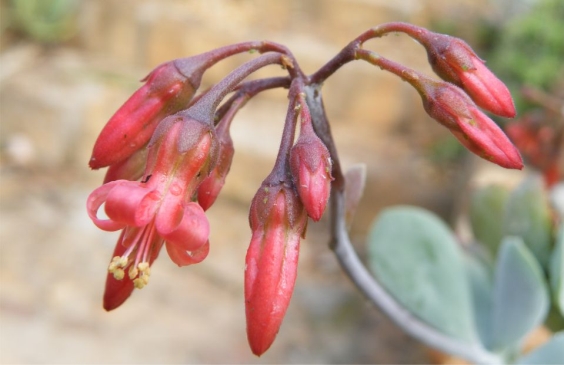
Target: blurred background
67,65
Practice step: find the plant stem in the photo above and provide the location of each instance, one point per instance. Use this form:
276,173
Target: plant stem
204,109
407,74
323,130
386,28
280,171
346,55
250,89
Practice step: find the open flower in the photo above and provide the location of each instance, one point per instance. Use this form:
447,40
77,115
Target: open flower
157,210
278,220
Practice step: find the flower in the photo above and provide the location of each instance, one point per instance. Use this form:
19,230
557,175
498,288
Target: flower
455,61
278,220
450,106
310,164
166,91
157,210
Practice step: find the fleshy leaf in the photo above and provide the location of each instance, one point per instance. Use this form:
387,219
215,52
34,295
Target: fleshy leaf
486,214
415,256
557,271
527,215
479,271
520,298
355,182
551,352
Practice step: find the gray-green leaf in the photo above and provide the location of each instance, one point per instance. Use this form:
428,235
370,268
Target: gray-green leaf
415,256
557,271
479,272
520,298
527,215
486,215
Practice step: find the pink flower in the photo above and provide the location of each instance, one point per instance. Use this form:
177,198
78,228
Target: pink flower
166,91
158,210
450,106
277,220
310,164
455,61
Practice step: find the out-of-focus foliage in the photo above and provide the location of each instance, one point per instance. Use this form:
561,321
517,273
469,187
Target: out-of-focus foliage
530,48
45,21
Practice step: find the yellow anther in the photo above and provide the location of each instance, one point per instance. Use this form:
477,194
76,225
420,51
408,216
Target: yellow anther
114,264
133,272
139,283
145,279
123,261
143,267
118,274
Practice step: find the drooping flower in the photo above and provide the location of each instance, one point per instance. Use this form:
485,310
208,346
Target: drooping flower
310,164
455,61
157,210
278,220
450,106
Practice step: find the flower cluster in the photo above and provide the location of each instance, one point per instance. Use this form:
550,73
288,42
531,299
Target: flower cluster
168,153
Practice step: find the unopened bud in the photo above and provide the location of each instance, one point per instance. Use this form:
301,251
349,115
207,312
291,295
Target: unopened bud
165,92
450,106
277,220
455,61
310,164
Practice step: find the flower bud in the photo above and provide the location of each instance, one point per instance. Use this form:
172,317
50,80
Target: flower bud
310,164
212,185
277,220
455,61
165,92
450,106
132,168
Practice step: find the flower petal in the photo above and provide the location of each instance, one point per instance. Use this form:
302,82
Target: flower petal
95,200
188,233
183,257
132,203
117,291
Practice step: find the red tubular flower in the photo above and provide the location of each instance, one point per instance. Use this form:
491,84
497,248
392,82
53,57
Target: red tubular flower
450,106
166,91
277,220
310,164
158,209
455,61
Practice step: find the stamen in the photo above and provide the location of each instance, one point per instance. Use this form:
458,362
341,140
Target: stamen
133,272
118,274
140,247
116,267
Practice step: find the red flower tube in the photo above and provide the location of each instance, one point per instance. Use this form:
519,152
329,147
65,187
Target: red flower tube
277,220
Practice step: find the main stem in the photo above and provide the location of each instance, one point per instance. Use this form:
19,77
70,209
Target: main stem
340,242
